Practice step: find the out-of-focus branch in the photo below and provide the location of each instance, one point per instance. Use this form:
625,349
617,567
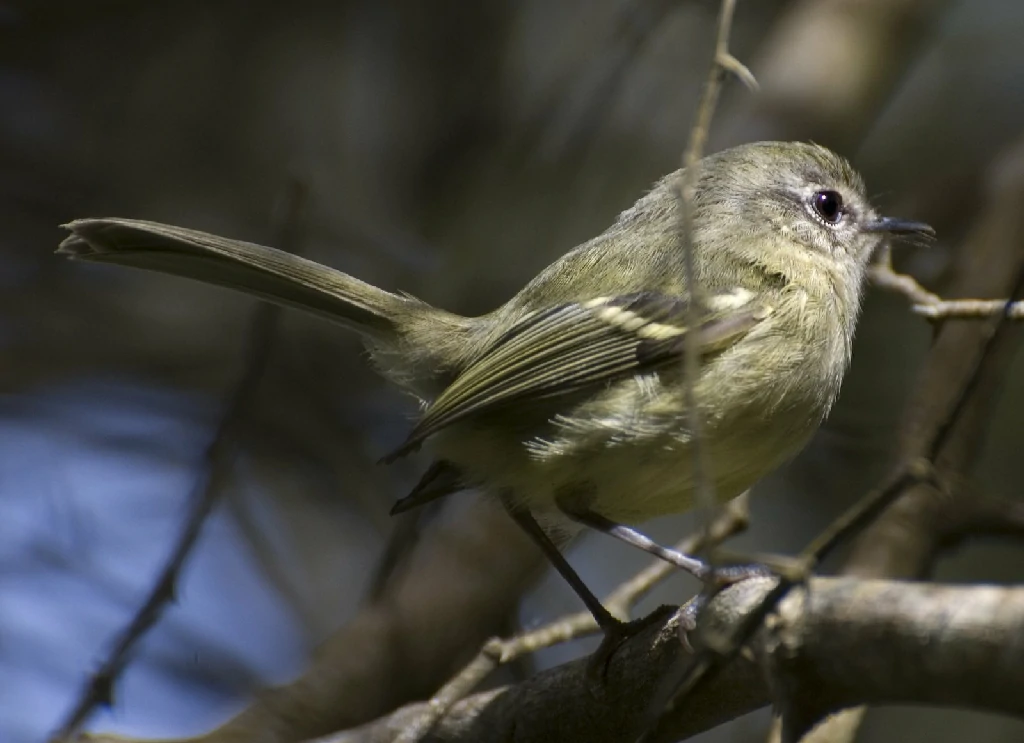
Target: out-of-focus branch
463,581
213,476
977,515
902,643
827,67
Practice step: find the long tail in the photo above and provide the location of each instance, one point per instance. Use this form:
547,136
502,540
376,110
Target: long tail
271,274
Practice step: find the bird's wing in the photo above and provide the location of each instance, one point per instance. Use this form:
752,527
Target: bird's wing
577,345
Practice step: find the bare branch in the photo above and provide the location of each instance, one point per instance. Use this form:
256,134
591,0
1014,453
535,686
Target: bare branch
905,643
932,306
970,309
883,275
457,591
876,671
996,250
975,514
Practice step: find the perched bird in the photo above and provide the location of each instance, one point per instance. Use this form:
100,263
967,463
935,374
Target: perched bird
568,402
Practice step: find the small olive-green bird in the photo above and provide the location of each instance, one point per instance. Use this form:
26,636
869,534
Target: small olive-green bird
568,402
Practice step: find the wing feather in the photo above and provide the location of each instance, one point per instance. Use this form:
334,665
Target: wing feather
572,346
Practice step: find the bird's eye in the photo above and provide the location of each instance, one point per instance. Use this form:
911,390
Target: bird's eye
828,205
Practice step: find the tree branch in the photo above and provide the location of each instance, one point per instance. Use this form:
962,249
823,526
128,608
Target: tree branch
932,306
902,643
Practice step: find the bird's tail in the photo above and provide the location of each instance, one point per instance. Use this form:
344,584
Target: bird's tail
268,273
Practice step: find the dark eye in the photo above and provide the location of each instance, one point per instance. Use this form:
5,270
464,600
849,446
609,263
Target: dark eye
829,206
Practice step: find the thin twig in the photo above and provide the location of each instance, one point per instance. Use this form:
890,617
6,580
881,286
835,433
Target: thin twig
723,63
932,306
901,643
497,652
99,688
970,309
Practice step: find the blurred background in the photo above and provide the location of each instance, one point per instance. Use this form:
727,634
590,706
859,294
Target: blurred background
444,148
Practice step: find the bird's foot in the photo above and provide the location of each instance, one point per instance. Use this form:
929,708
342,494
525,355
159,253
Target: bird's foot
616,634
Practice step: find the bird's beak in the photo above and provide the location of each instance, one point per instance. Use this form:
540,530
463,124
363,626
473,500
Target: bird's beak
891,226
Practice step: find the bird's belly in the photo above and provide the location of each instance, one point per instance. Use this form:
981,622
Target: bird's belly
632,484
631,481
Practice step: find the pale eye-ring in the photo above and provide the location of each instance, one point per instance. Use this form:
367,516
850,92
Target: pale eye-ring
828,205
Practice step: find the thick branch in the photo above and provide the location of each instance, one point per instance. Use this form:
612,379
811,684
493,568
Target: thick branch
903,643
899,644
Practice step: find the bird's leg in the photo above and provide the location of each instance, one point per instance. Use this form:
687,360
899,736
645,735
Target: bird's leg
699,569
615,630
529,524
714,578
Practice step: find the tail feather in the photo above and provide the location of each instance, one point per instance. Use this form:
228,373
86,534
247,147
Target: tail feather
271,274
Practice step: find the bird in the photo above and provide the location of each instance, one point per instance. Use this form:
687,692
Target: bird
569,402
